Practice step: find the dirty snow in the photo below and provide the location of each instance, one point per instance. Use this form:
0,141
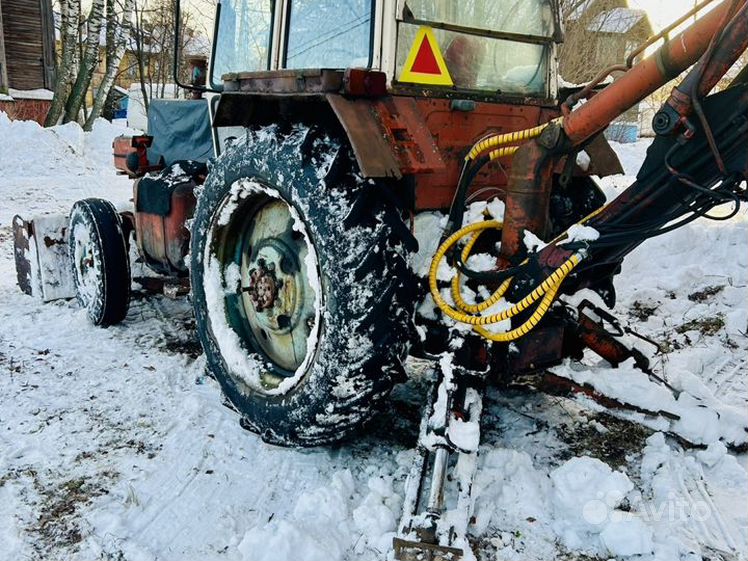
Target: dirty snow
114,444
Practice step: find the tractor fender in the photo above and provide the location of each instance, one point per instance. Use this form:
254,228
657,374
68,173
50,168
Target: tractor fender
389,136
394,136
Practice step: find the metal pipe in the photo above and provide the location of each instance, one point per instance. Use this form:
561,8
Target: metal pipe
528,196
645,78
732,44
436,493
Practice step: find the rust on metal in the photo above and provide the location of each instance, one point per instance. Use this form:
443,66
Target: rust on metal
406,550
163,241
22,254
373,153
453,131
553,384
541,348
263,286
409,135
600,341
528,197
710,70
603,159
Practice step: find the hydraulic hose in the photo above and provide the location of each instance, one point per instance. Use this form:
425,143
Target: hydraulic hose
505,139
546,289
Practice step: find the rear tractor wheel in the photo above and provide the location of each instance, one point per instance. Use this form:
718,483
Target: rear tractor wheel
99,256
302,294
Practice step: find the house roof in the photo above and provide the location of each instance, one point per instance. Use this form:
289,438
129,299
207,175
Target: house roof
617,20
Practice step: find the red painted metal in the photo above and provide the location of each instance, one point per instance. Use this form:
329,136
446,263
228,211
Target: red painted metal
409,135
711,69
123,146
427,138
528,197
364,83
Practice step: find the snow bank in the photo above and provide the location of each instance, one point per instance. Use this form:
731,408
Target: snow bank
46,170
30,150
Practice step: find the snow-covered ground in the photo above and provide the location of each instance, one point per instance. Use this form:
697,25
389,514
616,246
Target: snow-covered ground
114,444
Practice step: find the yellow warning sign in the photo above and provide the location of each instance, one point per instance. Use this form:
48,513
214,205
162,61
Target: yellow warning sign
425,63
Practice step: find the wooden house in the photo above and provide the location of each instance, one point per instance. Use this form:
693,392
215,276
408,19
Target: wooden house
27,57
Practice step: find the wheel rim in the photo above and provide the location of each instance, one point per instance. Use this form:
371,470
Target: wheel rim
88,276
270,278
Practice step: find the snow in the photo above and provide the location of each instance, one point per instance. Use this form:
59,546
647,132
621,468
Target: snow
586,493
115,444
38,94
579,233
52,168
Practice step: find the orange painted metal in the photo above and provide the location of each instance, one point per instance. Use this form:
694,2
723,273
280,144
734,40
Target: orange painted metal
528,197
646,77
409,135
454,132
427,139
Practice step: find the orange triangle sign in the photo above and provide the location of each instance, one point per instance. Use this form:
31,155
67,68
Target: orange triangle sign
425,63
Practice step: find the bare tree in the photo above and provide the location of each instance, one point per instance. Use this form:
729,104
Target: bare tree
117,23
88,63
139,41
69,12
154,42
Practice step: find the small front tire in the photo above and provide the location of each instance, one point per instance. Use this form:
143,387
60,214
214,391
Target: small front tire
99,257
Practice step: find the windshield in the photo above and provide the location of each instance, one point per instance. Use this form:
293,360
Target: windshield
503,47
243,41
329,34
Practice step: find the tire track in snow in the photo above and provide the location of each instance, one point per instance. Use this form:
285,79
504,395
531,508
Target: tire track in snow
709,528
728,381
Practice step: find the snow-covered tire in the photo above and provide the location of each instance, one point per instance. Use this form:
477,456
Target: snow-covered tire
99,257
357,242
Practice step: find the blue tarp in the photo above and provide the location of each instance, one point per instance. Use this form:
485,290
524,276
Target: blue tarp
180,129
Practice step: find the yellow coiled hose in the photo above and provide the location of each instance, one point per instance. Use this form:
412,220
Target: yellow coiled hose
505,139
469,314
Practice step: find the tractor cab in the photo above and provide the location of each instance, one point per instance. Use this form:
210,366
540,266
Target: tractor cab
482,48
409,83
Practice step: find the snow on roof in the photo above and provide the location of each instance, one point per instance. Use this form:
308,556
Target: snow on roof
617,20
41,94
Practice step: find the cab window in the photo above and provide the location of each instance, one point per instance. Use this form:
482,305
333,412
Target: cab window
502,47
244,33
329,34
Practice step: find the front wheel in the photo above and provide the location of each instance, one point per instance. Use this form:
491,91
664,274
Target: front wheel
301,289
99,256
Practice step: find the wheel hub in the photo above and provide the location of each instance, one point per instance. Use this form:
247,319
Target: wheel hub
263,286
277,312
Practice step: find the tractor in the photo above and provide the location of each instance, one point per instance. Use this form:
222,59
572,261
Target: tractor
287,199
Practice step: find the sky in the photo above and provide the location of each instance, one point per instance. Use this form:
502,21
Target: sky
663,12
